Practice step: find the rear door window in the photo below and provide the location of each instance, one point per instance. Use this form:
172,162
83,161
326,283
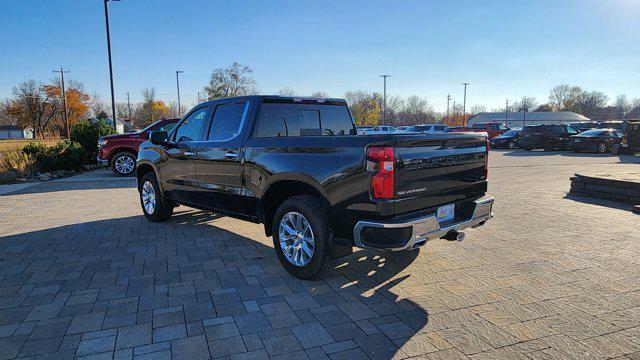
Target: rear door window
227,121
278,120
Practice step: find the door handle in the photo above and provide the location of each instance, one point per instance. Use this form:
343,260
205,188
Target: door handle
231,155
189,153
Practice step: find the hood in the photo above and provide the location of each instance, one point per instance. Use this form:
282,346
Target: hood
121,136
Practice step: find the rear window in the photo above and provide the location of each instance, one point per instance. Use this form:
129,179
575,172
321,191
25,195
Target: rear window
278,120
227,121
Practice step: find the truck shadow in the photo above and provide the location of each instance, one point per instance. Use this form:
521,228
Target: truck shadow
362,302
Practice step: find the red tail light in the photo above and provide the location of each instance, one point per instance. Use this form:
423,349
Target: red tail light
486,164
382,180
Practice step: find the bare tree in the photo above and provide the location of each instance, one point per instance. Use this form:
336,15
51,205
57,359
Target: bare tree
527,103
564,97
417,110
32,106
97,106
236,80
588,101
319,94
477,109
286,91
623,104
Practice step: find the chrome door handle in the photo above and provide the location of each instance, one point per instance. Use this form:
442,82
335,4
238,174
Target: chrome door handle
231,155
189,153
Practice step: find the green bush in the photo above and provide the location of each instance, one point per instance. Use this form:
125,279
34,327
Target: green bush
87,134
64,155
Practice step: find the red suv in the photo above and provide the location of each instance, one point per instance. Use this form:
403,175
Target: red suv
120,151
493,129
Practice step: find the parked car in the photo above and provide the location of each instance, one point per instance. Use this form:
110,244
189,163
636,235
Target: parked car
294,165
376,130
119,151
458,129
426,129
402,128
493,129
630,143
508,140
546,137
584,126
600,140
617,125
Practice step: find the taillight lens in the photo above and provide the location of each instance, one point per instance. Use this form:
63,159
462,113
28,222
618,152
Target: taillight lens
382,180
486,163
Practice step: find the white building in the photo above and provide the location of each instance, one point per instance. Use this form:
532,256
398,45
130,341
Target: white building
519,119
14,132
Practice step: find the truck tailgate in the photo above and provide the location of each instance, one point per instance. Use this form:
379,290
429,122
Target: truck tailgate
434,170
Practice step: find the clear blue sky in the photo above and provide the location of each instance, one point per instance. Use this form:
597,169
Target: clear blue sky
503,48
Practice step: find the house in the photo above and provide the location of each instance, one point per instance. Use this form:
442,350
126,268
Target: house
14,132
520,119
121,125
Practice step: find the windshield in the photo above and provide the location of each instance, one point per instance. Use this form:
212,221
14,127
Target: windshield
511,133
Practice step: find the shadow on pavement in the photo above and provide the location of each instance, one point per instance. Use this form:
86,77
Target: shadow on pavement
600,202
53,186
356,302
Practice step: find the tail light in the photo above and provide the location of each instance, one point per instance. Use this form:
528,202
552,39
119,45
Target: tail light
486,162
382,180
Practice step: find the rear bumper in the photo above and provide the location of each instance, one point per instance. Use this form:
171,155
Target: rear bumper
419,230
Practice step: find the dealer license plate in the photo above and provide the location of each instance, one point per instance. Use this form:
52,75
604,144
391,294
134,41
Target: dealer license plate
446,213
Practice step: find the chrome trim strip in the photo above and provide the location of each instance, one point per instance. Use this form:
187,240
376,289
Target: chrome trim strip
427,228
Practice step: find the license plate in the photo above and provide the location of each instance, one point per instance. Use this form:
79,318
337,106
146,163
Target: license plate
446,213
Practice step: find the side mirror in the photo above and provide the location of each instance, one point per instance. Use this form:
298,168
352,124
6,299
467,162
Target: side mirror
159,137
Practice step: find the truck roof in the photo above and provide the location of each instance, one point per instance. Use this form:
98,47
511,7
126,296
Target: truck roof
283,99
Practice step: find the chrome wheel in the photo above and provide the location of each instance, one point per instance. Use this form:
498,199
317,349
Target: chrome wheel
602,148
148,197
512,145
296,238
125,164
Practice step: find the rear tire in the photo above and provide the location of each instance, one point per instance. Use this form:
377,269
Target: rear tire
511,145
602,148
303,249
154,206
124,163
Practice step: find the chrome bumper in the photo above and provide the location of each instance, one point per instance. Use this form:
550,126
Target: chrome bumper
428,227
102,161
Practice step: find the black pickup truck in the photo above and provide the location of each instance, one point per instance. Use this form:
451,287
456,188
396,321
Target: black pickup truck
297,166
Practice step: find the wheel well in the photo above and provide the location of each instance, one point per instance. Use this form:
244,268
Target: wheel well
119,150
279,192
143,169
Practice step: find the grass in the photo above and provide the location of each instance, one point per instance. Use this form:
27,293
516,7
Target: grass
11,145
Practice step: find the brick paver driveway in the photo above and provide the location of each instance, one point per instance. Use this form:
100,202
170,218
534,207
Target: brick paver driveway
83,274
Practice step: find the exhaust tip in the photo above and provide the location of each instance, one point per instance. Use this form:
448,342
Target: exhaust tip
454,235
460,236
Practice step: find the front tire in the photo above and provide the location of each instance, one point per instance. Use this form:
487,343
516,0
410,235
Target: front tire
302,237
124,163
154,206
511,145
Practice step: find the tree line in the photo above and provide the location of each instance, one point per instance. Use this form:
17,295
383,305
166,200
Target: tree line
38,105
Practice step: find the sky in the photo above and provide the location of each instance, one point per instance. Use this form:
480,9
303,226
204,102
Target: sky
505,49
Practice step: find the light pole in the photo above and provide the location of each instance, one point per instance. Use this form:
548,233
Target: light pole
129,106
448,99
178,86
384,99
113,99
464,104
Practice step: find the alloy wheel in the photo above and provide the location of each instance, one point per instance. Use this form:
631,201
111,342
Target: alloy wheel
125,164
148,197
296,238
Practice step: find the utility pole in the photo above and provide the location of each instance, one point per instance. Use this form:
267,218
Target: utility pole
113,99
198,97
178,86
129,106
384,99
464,104
64,102
448,99
506,112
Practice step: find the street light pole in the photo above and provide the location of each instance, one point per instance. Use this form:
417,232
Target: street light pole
178,86
113,99
129,106
64,102
464,104
384,99
448,99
